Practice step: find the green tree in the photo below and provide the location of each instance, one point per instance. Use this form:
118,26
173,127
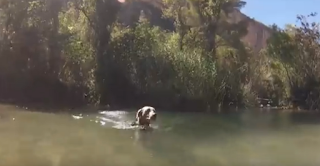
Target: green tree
101,15
297,49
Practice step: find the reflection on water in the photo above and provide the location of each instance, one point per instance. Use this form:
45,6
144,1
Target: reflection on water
178,139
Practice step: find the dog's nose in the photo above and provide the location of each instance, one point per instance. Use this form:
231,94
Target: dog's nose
154,117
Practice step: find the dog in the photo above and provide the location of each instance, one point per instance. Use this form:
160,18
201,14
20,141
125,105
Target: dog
145,116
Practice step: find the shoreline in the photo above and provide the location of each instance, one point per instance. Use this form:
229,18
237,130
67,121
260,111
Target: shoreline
92,108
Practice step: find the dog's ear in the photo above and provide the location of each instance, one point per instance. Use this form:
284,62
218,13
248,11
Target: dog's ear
139,113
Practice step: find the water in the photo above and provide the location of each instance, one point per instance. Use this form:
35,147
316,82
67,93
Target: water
178,139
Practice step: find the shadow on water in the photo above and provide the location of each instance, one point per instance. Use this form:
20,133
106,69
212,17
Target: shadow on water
164,147
178,134
249,137
306,118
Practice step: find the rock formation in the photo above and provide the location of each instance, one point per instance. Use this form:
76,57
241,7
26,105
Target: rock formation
256,37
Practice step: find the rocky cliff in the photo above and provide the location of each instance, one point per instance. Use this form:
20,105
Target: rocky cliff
256,37
257,33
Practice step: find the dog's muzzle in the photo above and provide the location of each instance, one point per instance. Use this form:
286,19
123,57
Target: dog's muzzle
153,117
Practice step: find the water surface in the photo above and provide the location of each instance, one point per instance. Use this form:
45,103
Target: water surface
178,139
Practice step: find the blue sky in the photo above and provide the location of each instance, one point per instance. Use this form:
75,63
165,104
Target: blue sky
280,12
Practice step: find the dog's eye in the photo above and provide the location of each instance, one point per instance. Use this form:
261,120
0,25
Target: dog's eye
147,111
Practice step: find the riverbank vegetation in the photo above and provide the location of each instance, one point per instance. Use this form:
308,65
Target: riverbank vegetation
80,52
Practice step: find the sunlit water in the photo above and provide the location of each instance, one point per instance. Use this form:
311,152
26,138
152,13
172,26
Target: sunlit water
178,139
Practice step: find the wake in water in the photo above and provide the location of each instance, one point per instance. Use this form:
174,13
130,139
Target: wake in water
119,119
116,119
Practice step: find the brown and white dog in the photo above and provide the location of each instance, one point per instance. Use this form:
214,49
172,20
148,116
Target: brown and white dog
145,116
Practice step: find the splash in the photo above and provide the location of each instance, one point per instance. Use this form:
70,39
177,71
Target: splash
76,117
117,119
115,123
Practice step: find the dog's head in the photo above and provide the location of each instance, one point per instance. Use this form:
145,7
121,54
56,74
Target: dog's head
148,113
153,115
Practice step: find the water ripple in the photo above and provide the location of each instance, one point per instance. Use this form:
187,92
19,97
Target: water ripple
117,119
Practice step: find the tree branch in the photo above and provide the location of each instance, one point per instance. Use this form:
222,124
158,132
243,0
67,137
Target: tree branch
91,23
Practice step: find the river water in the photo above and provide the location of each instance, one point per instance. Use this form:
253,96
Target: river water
252,138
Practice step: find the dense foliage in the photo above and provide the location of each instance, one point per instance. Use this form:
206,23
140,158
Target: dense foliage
78,52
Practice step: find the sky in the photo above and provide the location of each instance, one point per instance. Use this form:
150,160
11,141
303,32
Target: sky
280,12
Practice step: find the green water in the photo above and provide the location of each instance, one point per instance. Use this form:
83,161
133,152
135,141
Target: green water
178,139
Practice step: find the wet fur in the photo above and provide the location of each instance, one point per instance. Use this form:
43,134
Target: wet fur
144,117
